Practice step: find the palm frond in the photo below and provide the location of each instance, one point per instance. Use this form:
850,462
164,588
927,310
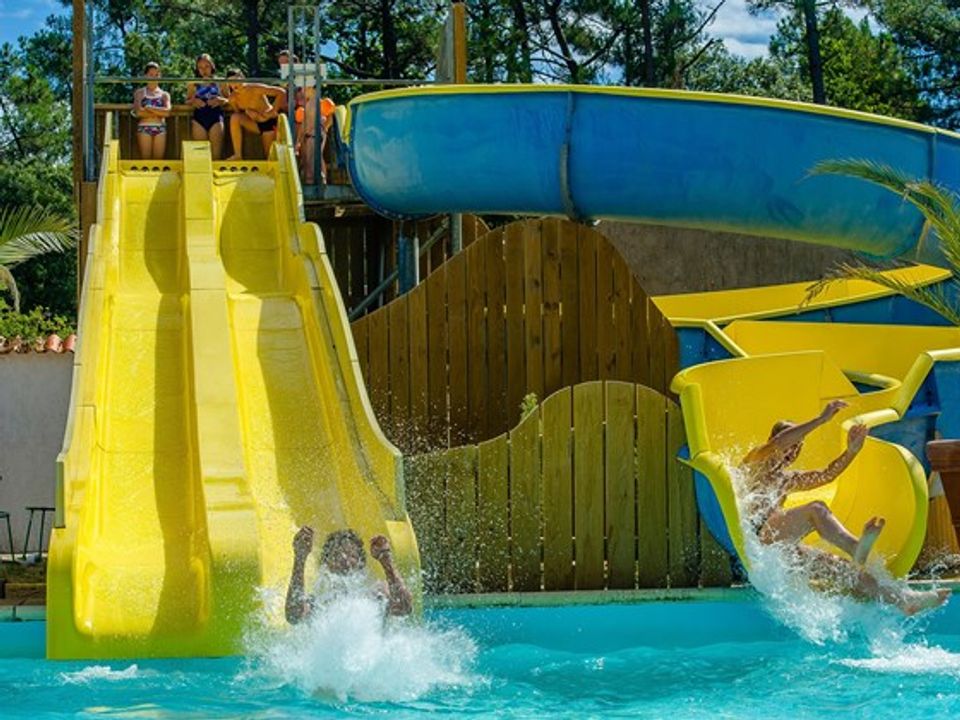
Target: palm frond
934,298
939,205
28,231
10,285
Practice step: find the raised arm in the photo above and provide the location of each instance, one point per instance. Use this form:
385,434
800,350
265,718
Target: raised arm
298,605
815,478
399,599
794,434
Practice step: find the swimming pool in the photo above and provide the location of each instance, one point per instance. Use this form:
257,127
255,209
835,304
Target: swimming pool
723,657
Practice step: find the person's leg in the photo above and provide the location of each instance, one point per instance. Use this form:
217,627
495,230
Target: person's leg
238,122
159,146
796,523
216,140
267,140
196,131
144,144
306,159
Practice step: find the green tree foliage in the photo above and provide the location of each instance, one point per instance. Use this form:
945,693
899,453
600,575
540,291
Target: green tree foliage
928,32
35,163
862,69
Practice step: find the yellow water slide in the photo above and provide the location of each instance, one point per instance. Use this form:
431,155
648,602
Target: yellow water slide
217,405
790,370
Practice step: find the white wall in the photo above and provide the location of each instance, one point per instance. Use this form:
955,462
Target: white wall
34,396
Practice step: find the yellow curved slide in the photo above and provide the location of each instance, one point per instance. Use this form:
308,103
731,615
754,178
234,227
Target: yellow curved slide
730,406
217,405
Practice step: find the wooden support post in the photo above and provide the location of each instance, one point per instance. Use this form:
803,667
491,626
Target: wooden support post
84,197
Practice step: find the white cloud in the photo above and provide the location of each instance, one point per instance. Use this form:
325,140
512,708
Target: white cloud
741,32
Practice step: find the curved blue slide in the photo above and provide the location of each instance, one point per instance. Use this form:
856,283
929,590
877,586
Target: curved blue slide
718,162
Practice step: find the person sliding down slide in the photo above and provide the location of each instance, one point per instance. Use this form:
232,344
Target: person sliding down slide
767,484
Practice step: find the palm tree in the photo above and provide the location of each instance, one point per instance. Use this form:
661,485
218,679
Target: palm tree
26,232
940,207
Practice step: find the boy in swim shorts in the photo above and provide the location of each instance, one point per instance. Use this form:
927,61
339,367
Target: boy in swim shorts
255,109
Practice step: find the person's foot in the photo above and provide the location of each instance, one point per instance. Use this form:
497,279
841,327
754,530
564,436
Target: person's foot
233,158
867,539
916,602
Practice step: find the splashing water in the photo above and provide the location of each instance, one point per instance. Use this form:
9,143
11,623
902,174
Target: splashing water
349,650
95,673
783,579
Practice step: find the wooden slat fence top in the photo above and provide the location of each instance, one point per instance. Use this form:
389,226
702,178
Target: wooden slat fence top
531,307
584,493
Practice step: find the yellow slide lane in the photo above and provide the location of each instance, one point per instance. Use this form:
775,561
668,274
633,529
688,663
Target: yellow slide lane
217,404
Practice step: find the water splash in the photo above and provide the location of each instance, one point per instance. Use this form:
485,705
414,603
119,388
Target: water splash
95,673
842,624
348,650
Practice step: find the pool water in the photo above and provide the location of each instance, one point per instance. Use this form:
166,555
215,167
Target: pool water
699,659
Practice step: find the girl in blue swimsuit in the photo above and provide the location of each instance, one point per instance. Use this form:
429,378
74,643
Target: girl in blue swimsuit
207,102
151,106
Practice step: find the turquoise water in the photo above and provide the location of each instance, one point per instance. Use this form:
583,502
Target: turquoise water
702,659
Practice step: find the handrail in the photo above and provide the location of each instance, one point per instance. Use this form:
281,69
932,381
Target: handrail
278,81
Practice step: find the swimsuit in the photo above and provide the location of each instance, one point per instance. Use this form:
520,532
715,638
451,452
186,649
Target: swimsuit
207,116
267,125
151,130
152,126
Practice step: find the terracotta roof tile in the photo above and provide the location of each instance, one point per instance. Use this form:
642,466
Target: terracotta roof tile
50,344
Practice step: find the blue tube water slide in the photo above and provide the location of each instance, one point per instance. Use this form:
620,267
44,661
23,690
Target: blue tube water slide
716,162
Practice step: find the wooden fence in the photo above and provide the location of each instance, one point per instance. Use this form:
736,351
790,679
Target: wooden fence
529,308
363,250
584,493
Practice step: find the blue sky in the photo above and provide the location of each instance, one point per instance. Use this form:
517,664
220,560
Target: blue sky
742,33
23,17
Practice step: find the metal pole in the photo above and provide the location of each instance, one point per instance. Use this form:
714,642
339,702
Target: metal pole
408,261
291,85
88,127
319,134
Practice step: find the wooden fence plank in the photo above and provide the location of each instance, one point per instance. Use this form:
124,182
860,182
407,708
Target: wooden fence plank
436,286
400,373
419,412
715,568
606,335
496,336
493,510
476,377
532,308
684,551
358,253
657,347
622,281
425,479
671,355
588,484
525,503
378,380
652,553
587,267
640,335
461,520
552,338
516,362
341,259
359,329
457,344
557,491
570,303
621,517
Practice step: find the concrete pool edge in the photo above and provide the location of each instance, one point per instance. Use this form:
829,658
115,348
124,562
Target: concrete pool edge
548,598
